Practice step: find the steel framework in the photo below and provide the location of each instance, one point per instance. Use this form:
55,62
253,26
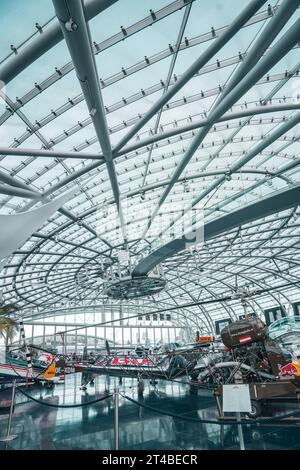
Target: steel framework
191,122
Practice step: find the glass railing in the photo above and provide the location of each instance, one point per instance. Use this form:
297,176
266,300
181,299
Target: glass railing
283,326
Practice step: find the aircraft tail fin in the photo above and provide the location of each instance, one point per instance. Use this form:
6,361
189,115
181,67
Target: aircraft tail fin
50,372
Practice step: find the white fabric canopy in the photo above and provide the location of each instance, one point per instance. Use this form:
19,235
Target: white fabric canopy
17,228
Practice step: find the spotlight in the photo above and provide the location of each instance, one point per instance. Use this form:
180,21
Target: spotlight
71,26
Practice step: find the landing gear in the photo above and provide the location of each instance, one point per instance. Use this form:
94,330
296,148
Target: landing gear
256,409
194,388
140,387
256,436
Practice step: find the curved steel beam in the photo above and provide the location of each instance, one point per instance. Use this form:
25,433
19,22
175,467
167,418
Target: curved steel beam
163,183
223,39
168,80
60,284
186,305
285,168
44,42
143,143
293,163
255,110
269,96
245,159
278,202
79,44
115,39
53,141
204,122
18,192
29,152
264,40
280,49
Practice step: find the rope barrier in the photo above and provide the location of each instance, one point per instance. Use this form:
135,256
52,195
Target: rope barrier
64,406
195,384
263,421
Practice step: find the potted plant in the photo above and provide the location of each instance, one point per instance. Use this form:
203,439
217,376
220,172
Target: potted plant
8,325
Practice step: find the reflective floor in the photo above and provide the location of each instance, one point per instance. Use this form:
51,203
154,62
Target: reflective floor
92,426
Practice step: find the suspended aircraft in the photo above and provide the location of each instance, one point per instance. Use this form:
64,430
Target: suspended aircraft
256,359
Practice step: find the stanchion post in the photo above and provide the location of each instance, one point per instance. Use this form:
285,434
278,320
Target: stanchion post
8,436
238,379
240,431
116,397
219,408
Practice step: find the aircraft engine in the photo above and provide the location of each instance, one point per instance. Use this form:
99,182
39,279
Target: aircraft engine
242,332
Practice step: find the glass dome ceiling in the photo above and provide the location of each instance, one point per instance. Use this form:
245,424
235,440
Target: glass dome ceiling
148,111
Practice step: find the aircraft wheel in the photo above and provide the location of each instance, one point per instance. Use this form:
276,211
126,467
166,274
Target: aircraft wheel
256,409
256,436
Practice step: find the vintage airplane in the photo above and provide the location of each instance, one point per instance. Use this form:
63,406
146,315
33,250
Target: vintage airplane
44,369
167,362
133,366
178,348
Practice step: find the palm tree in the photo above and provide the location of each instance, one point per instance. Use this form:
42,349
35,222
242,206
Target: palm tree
8,325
